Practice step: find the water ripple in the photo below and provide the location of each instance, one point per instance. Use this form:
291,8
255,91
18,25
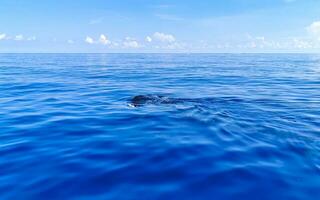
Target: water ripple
224,126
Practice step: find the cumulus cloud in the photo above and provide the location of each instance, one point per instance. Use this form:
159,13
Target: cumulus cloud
19,37
104,40
314,29
23,38
3,36
260,42
33,38
131,43
160,40
301,44
148,39
289,43
89,40
128,42
162,37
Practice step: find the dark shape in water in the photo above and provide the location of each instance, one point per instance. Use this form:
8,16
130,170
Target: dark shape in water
142,100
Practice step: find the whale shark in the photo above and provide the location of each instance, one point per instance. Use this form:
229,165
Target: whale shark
142,100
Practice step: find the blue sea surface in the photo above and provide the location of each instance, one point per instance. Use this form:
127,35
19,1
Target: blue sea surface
244,126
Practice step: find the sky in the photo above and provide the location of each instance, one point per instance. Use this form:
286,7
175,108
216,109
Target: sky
159,26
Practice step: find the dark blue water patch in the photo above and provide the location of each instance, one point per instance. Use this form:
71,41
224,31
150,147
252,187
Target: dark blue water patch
218,126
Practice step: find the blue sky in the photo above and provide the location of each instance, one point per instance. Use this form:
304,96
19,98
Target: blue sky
160,26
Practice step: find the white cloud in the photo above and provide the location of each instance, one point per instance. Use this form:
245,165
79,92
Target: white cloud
131,43
3,36
70,42
288,43
301,44
165,41
115,44
314,29
148,39
104,40
23,38
89,40
175,45
260,42
33,38
162,37
19,37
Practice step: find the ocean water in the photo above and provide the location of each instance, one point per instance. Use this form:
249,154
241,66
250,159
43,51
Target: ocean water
239,126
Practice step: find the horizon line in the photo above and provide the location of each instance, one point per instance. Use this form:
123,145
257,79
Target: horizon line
160,53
